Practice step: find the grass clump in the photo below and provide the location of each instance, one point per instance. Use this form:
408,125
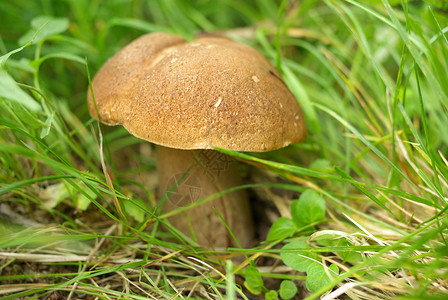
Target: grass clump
358,210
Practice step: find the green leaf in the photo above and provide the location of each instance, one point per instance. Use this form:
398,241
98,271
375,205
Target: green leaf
22,114
309,209
287,289
322,165
282,228
318,277
68,56
54,194
22,64
46,130
58,192
82,201
135,209
298,260
271,295
9,89
340,241
6,56
47,26
135,24
253,281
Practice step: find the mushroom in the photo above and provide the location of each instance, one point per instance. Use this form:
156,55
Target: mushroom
188,98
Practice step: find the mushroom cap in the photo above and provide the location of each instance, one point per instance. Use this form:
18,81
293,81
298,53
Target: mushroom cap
211,92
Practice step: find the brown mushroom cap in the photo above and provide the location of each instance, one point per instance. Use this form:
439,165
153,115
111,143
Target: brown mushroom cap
212,92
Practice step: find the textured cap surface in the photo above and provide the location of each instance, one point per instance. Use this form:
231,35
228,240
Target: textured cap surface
212,92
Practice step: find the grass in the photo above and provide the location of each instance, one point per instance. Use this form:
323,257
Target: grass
77,220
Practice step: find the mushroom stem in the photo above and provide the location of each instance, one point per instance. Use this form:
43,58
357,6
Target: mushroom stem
200,173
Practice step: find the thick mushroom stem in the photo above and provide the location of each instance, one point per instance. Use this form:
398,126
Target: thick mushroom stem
200,173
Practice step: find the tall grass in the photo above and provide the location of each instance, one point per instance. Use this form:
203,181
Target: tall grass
77,198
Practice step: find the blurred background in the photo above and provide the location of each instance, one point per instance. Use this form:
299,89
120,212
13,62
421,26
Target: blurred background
371,77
